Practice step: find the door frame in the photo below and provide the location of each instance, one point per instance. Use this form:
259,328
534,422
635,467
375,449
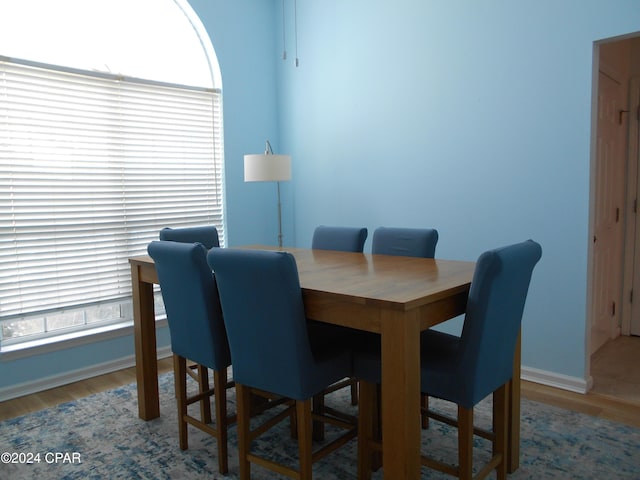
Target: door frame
632,222
599,64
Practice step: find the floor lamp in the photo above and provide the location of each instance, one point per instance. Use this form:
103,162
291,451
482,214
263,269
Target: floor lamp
267,167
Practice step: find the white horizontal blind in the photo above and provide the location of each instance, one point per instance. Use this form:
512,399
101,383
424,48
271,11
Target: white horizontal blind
92,166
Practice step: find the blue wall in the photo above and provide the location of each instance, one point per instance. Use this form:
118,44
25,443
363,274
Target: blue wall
470,117
242,33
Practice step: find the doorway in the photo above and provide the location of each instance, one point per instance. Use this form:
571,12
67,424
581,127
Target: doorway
615,252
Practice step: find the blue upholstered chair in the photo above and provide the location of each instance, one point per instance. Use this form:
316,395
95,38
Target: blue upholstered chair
197,333
466,369
407,242
206,235
272,350
344,239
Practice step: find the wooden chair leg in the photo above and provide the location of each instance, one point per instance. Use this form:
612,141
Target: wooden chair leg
205,403
318,426
243,404
500,429
376,457
180,379
366,418
293,426
465,443
354,392
220,389
305,434
424,407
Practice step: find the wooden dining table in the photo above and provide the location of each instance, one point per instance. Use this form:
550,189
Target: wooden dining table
394,296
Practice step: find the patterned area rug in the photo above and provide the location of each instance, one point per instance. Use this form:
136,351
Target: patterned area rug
101,437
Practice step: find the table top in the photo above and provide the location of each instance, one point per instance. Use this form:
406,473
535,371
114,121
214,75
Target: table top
393,281
403,282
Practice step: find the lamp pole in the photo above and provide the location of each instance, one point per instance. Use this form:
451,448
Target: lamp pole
279,218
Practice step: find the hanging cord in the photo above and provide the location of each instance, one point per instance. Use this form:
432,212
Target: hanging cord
295,11
284,37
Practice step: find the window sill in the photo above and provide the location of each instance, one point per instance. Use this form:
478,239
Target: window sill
70,340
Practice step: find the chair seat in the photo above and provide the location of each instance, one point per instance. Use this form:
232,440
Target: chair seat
435,344
439,363
324,335
438,354
333,363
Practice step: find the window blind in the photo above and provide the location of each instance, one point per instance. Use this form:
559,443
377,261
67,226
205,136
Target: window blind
92,166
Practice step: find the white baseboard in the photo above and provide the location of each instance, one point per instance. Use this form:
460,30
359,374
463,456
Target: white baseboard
54,381
557,380
544,377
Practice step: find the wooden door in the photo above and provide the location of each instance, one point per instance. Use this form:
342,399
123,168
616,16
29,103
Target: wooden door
635,308
634,156
608,224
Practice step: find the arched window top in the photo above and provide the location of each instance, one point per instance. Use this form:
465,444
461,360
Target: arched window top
149,39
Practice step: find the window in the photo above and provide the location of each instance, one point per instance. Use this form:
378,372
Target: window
92,166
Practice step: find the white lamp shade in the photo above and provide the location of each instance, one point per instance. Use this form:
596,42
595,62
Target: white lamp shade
267,168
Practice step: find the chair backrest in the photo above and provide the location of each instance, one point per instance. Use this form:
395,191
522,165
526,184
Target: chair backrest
207,235
264,314
493,317
344,239
191,301
407,242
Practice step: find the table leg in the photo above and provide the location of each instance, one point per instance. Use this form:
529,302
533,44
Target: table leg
144,328
513,437
400,337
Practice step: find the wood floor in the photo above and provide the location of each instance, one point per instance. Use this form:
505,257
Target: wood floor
74,391
605,401
615,369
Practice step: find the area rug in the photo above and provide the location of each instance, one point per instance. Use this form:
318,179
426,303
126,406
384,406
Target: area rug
101,437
